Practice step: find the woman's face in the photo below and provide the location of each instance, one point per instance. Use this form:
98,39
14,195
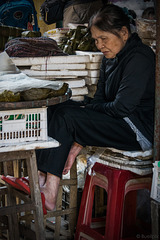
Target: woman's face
108,43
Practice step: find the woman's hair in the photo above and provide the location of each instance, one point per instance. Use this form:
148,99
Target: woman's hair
110,18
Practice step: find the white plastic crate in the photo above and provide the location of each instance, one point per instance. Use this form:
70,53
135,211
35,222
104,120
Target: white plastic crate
23,125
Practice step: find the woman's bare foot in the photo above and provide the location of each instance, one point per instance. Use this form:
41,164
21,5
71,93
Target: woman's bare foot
50,190
42,178
74,151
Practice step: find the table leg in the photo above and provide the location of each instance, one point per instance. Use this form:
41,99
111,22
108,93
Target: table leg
36,196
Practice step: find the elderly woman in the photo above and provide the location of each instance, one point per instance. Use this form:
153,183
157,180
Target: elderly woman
121,114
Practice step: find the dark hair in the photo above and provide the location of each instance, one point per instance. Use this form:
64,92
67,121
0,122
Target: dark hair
110,18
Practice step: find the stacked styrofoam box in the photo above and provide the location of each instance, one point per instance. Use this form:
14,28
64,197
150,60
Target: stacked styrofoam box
93,67
70,69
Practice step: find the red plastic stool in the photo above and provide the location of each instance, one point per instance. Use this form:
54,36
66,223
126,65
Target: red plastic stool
117,183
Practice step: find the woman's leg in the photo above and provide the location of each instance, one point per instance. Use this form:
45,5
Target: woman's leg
42,178
51,161
75,150
71,124
50,190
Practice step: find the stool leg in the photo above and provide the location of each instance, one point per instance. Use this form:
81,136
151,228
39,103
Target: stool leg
83,205
36,196
114,210
73,199
129,215
58,218
85,213
12,218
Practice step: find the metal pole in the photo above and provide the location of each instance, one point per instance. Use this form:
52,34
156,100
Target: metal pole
157,93
155,206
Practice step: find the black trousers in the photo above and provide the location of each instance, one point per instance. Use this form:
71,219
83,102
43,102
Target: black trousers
68,122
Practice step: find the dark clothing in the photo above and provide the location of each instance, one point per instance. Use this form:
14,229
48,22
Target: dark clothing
70,123
125,88
129,85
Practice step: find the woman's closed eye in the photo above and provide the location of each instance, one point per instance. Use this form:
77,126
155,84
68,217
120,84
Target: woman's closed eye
100,40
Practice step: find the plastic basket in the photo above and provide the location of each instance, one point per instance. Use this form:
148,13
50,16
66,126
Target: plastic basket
23,125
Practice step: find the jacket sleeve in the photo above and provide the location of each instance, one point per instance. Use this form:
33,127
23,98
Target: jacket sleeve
99,95
135,77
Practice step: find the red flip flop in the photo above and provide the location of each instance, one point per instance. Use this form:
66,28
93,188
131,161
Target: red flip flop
43,203
26,189
23,183
12,181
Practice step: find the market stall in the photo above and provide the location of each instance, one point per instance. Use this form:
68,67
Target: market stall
80,72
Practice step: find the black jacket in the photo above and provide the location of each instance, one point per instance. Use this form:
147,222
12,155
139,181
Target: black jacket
126,87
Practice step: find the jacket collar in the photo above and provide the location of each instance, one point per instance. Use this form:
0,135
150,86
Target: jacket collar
132,42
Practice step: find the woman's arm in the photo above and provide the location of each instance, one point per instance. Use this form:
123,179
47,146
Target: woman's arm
99,95
136,75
